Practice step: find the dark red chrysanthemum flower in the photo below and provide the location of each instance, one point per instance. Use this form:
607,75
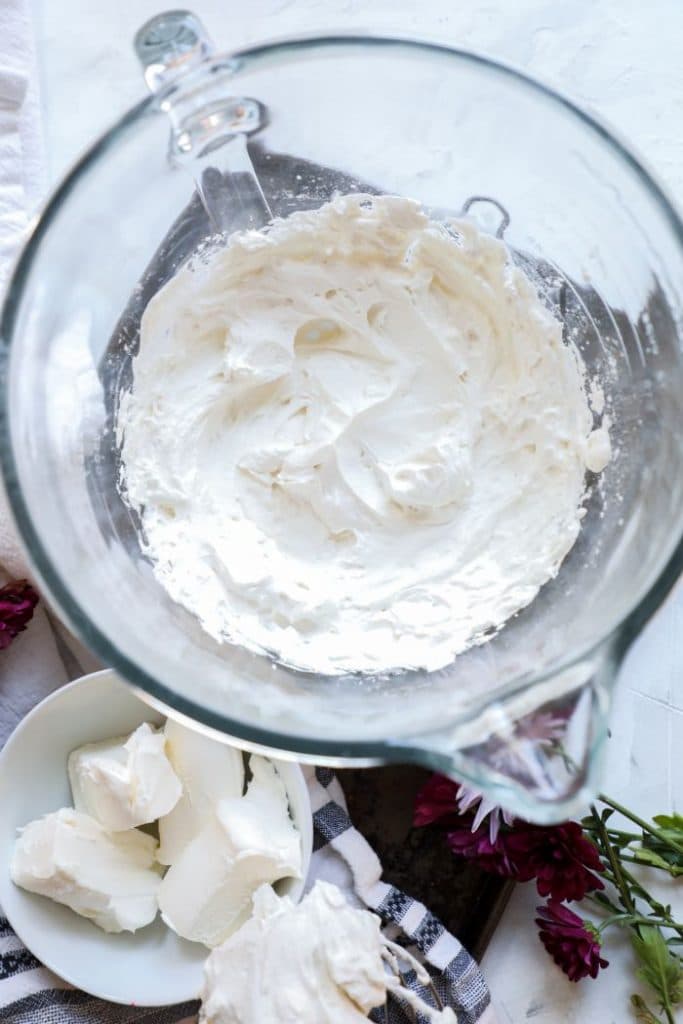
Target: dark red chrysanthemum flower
17,601
448,802
573,943
437,801
489,854
559,857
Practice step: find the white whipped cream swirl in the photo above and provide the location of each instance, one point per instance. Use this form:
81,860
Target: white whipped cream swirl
356,439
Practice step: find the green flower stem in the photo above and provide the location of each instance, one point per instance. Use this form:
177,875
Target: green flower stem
630,919
641,823
671,869
608,849
658,908
622,918
623,882
631,837
668,1009
643,863
604,902
662,918
635,887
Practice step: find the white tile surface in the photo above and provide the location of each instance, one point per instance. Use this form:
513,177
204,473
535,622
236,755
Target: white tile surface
623,59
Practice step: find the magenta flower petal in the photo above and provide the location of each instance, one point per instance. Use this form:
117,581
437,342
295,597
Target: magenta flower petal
482,808
436,801
572,942
477,846
443,800
17,601
559,857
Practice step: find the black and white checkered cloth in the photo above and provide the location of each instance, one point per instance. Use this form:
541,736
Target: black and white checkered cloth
30,994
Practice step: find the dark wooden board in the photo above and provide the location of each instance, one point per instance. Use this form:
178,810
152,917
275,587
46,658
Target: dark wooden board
468,901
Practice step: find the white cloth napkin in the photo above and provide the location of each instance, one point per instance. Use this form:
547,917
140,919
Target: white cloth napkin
22,178
33,666
21,181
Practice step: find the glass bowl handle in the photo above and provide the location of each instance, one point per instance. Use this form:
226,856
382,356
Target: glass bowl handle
171,44
535,752
210,127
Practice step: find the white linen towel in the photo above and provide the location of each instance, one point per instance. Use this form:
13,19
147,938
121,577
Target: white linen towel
21,181
32,667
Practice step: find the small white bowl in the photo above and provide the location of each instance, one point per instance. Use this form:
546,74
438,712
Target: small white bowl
154,966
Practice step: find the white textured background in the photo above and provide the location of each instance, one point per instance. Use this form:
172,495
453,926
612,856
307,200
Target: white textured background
622,58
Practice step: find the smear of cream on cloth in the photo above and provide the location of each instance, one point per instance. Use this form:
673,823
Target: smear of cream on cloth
321,962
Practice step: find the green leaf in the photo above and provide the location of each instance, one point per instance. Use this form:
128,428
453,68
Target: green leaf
643,1014
598,897
670,821
661,969
666,852
644,855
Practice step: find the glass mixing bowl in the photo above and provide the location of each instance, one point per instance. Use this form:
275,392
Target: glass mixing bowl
225,142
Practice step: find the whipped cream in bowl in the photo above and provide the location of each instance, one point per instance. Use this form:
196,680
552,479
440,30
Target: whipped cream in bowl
356,440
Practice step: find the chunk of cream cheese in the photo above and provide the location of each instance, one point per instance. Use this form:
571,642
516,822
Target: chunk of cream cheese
210,771
126,781
112,878
356,439
250,840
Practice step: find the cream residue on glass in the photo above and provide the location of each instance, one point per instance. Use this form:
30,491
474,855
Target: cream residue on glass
356,439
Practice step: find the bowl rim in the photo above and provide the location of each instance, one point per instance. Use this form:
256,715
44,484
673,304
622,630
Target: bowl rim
258,737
